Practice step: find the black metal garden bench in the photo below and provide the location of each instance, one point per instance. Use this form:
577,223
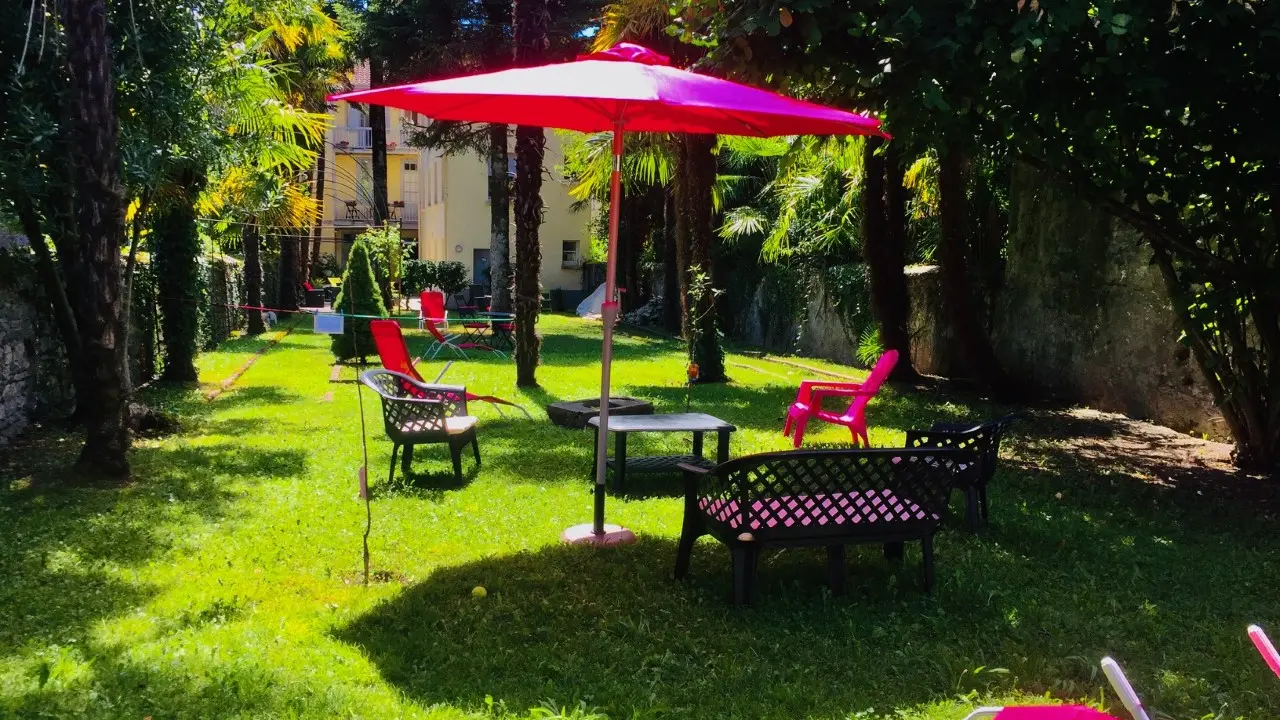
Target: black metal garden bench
826,498
984,440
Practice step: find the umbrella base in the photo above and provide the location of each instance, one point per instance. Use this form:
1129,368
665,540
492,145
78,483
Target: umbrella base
583,535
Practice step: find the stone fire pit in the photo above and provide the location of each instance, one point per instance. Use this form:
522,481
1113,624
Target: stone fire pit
575,413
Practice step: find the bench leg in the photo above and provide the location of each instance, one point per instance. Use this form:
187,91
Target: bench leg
392,475
406,460
744,573
455,450
982,502
926,550
971,512
835,569
689,535
894,551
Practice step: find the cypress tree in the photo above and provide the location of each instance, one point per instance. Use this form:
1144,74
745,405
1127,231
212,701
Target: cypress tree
359,296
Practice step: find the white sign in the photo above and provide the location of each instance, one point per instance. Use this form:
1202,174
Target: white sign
328,323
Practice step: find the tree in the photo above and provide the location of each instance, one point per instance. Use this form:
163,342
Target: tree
94,279
177,240
359,296
696,176
497,51
531,21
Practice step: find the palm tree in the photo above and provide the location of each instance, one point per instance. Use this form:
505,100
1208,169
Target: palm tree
497,53
645,21
531,22
94,280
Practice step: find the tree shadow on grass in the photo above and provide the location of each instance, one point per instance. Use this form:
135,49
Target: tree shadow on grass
65,542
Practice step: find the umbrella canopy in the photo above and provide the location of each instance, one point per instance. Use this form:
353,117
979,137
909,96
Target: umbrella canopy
627,84
625,88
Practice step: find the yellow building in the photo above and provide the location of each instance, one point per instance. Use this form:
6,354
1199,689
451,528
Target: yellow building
442,202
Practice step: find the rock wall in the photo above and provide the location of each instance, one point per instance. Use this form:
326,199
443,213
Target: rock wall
17,361
1084,316
34,382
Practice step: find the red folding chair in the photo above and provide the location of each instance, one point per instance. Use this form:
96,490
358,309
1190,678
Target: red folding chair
394,354
431,309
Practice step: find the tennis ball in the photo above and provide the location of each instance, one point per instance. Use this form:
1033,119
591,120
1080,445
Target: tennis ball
479,591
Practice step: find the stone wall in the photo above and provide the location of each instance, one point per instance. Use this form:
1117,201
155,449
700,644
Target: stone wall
17,360
1085,317
34,381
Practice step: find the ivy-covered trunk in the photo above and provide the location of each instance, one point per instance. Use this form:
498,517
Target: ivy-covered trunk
884,249
699,172
957,286
681,227
94,282
253,277
177,246
56,291
531,21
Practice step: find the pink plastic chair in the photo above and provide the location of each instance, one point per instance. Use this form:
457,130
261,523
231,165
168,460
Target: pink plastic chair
808,404
431,309
1038,712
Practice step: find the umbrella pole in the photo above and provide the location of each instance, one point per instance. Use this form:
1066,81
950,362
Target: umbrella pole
599,533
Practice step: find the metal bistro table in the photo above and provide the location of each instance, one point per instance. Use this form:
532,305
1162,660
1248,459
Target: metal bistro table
696,423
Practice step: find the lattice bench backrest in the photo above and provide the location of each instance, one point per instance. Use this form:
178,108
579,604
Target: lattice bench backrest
794,493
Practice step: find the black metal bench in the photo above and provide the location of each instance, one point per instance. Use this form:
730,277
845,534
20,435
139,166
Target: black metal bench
820,498
984,440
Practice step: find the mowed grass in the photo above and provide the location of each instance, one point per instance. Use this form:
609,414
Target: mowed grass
225,580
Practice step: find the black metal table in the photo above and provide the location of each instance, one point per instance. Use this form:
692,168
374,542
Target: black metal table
696,423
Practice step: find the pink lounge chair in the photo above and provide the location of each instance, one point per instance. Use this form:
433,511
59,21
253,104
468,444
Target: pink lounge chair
808,404
1119,683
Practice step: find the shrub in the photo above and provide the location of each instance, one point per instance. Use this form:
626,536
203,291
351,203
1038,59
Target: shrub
386,250
326,268
448,276
359,296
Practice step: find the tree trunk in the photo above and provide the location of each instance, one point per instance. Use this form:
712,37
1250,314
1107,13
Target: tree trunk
671,294
679,206
700,176
531,20
497,54
499,221
99,203
253,277
56,292
378,152
962,309
318,230
287,272
126,301
884,239
177,244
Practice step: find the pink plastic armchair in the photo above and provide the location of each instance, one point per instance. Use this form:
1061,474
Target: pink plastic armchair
808,404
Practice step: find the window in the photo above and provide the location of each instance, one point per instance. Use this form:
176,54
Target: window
569,254
411,166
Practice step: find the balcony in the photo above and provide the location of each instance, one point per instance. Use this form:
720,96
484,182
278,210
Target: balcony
349,138
359,213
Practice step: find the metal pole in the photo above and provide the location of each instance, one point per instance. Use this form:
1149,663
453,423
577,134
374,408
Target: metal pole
609,314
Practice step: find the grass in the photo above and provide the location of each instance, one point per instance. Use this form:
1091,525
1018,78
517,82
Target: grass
223,582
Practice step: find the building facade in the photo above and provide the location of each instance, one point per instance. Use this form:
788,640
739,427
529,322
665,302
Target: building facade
440,202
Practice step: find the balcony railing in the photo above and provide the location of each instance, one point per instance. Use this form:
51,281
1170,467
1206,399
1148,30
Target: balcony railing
361,138
360,212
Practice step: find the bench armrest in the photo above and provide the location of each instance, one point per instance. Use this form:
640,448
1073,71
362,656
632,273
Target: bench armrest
695,469
935,438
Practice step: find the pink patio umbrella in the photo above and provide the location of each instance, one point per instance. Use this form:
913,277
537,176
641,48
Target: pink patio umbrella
626,88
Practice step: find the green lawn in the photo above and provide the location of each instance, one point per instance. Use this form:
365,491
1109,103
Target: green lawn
224,582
